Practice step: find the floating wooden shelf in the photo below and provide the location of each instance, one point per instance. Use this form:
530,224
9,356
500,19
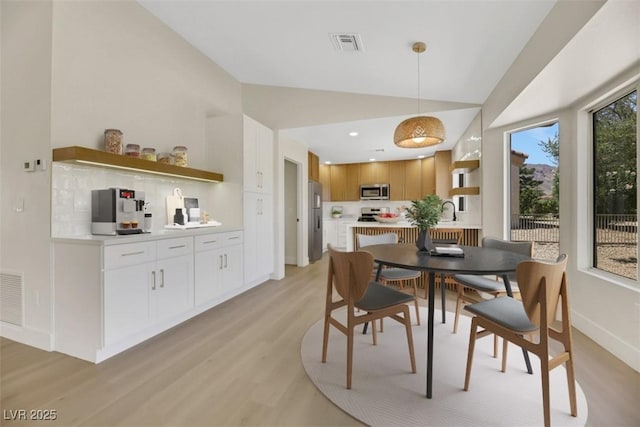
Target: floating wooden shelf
88,156
464,191
464,166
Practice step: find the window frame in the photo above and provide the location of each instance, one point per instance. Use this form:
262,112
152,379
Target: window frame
598,104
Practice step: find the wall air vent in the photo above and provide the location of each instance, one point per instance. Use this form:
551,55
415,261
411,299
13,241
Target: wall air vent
347,42
11,298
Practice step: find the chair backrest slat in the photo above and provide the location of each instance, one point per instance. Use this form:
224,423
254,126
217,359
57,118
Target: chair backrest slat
531,275
524,248
351,273
379,239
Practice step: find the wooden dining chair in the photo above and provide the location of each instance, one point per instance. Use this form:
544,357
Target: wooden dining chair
447,236
393,275
469,287
542,286
350,274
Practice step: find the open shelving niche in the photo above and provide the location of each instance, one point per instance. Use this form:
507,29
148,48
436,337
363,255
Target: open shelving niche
464,166
91,157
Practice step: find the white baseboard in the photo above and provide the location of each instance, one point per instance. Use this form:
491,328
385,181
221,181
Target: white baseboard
613,344
39,339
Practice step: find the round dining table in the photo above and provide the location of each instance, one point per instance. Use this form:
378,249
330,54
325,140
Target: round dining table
476,260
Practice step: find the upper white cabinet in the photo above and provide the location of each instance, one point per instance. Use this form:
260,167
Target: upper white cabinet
242,149
258,157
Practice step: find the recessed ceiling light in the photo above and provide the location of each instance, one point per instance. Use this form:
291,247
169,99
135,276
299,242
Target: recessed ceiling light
353,133
372,160
327,162
421,156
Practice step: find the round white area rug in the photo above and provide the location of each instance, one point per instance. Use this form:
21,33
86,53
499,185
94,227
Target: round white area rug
385,392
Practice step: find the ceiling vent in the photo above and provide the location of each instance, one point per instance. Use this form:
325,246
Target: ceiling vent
347,42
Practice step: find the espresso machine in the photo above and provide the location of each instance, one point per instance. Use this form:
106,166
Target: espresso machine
117,211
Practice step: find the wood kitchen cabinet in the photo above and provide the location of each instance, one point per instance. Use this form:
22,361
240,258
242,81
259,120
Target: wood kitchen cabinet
405,179
338,176
442,162
325,180
345,182
428,174
353,182
374,173
313,164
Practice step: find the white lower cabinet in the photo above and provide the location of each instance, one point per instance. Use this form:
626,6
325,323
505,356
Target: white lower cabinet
139,292
329,233
258,230
218,266
110,296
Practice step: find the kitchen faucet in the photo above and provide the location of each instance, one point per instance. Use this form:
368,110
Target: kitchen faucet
454,208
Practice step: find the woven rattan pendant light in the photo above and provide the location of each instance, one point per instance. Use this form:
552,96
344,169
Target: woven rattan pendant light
420,131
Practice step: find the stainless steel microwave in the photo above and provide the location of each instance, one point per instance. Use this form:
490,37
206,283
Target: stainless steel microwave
374,192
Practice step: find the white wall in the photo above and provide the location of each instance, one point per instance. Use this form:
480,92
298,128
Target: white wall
70,70
26,124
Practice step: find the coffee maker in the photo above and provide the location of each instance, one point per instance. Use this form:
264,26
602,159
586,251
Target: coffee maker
117,211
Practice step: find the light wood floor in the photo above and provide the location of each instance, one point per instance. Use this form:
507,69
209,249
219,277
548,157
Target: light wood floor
239,364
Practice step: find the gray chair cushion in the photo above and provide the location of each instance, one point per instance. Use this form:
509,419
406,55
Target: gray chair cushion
504,311
399,274
379,296
484,284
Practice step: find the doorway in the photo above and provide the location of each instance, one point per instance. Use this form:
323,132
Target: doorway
291,212
535,189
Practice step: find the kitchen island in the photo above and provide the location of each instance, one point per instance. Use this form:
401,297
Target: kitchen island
408,233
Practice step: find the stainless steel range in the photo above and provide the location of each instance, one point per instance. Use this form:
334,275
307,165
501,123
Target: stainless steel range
367,214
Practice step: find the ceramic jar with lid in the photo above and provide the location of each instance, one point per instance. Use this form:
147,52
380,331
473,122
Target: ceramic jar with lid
180,153
113,141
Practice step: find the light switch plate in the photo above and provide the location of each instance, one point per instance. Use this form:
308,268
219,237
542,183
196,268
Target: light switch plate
29,166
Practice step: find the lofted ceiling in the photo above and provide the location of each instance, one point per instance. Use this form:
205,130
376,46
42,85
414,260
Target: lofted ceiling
288,44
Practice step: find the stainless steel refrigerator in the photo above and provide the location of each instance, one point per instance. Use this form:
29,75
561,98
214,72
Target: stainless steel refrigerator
315,221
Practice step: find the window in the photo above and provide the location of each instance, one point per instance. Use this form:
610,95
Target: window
615,186
535,188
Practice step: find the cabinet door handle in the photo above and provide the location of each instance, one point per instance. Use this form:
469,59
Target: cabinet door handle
177,247
153,286
220,265
225,260
133,253
234,238
162,277
209,241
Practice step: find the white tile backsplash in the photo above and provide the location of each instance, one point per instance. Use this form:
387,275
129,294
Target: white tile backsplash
71,195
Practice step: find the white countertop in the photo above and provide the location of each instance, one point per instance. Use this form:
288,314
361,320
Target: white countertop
144,237
407,224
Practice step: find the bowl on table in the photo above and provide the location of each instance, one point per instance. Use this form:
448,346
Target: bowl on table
387,218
